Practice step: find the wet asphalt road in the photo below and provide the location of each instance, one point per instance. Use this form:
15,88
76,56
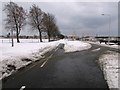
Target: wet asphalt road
62,70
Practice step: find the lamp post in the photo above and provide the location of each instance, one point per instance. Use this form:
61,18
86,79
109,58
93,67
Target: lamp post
109,25
12,37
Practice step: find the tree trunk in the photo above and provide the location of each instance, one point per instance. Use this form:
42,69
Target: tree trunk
17,35
48,36
40,35
17,31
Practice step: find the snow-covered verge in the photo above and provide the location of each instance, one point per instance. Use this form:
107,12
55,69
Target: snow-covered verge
28,51
13,58
109,64
72,46
103,44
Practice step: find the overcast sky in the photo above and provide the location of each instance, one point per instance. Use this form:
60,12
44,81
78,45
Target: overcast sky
80,18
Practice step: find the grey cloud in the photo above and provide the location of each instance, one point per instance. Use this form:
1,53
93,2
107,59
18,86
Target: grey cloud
80,17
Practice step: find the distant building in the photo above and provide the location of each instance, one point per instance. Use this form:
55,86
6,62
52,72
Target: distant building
88,38
73,37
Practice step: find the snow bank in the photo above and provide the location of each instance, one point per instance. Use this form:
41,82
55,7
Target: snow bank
30,50
13,58
109,65
72,46
103,44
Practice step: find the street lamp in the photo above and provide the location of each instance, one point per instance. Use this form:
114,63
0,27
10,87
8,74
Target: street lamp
12,37
109,25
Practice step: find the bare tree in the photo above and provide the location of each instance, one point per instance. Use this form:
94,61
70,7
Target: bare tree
50,25
16,17
36,19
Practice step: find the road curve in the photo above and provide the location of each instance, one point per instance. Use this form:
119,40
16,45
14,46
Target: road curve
62,70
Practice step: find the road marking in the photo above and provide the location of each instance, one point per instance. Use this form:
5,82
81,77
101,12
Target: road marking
46,60
96,49
32,66
56,49
50,56
43,64
23,87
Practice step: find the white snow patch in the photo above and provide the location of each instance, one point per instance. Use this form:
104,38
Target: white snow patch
72,46
96,49
110,67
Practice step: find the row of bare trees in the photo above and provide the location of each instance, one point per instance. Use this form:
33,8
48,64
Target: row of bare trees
17,17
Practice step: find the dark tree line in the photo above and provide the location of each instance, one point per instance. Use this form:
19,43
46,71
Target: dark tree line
37,19
50,26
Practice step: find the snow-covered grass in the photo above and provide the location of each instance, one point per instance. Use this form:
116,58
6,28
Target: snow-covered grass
30,50
109,65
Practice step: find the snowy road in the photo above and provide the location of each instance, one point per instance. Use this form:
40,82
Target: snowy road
62,70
